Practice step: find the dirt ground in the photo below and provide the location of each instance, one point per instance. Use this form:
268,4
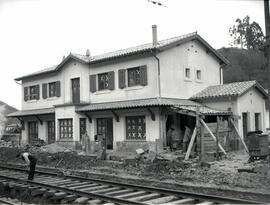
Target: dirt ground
169,168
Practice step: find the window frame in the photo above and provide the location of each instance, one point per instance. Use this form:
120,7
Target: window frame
103,87
137,81
185,73
67,125
136,124
33,96
53,89
196,75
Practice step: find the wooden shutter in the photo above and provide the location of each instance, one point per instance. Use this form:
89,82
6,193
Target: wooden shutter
111,80
26,95
37,92
58,88
93,87
122,78
44,90
143,77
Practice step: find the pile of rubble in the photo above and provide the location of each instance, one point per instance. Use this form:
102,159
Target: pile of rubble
4,143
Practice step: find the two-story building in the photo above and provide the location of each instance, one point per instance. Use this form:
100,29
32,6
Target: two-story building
124,95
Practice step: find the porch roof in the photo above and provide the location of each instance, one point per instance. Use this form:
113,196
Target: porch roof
34,112
183,104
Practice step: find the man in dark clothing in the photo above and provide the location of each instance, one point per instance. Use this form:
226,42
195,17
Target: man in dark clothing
30,161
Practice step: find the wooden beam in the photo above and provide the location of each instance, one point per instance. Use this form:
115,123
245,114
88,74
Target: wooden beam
153,117
184,112
212,135
40,121
115,115
202,143
88,116
217,141
237,132
22,123
191,143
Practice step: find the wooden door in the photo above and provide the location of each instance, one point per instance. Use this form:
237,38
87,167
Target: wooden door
51,132
33,132
82,127
245,124
75,84
105,128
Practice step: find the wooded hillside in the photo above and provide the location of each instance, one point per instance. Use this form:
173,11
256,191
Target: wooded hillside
244,65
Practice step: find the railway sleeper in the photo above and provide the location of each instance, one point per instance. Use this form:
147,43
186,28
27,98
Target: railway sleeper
81,200
94,201
69,198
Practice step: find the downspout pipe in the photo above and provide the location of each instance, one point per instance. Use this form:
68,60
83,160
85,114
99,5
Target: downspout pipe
158,79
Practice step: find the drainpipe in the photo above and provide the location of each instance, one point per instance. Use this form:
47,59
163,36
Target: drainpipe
220,73
158,62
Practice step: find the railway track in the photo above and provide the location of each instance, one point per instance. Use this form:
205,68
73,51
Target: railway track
73,189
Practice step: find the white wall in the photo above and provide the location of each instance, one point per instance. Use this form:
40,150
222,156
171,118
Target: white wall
189,55
71,69
252,102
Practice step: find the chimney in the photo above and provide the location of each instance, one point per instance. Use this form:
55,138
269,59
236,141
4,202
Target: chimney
87,53
154,34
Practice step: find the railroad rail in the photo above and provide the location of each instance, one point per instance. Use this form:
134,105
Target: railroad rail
4,200
68,189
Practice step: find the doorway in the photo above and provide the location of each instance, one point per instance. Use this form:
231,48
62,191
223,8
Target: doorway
75,85
105,128
51,132
33,132
245,124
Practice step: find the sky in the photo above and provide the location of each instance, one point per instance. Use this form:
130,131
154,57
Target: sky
36,34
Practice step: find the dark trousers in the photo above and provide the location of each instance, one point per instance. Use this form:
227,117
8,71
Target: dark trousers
32,169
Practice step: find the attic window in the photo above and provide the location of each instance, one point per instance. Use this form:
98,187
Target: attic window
187,73
198,74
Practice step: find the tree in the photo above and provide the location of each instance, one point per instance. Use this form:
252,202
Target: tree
247,35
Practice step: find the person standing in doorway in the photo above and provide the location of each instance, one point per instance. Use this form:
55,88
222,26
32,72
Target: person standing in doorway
30,161
186,138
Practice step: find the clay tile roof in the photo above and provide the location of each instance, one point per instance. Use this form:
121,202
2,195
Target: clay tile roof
149,47
226,90
22,113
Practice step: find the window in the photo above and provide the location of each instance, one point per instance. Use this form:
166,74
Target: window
66,128
135,128
103,81
187,73
257,121
33,132
198,74
134,76
52,89
33,92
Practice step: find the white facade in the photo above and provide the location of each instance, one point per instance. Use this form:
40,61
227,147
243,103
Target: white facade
173,82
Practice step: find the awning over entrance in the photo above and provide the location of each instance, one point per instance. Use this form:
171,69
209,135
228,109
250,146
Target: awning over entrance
203,110
36,112
150,102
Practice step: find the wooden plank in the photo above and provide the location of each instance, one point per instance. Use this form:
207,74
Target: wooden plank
161,200
144,197
190,144
212,135
107,191
84,186
217,141
206,203
135,193
202,143
182,201
94,188
241,138
94,201
123,191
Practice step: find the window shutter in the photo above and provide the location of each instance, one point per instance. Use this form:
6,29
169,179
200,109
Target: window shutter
58,88
92,83
44,90
37,92
143,77
111,80
122,78
26,93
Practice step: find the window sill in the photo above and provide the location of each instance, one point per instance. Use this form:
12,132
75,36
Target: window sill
188,80
65,140
32,101
135,140
137,87
198,81
100,92
52,98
